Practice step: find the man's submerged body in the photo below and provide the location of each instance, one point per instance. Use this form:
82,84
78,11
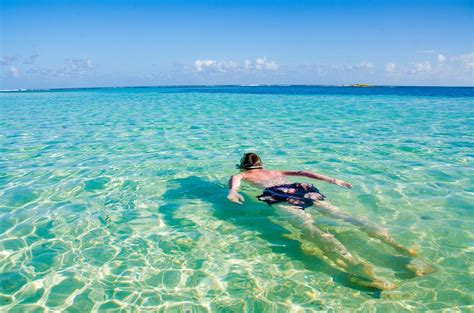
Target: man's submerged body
277,189
270,179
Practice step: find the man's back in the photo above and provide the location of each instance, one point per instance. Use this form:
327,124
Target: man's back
264,178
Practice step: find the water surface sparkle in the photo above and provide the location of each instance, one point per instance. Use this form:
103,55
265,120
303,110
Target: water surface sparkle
116,198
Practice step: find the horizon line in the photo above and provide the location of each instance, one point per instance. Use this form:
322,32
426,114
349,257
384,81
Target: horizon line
226,85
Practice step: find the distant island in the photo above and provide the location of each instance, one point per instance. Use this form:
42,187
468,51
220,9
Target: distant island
361,85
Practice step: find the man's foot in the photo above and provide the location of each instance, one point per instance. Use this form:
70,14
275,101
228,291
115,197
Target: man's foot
377,283
413,251
362,270
420,268
383,284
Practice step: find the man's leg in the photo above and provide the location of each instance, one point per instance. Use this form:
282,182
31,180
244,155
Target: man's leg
374,230
362,272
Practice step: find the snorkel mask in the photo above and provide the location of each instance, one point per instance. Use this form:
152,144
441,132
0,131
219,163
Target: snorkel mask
246,162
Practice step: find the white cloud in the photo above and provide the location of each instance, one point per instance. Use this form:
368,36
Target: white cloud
424,67
201,65
431,51
69,69
390,68
88,64
13,72
263,64
74,67
447,66
443,70
466,60
248,65
366,65
31,59
259,64
216,66
7,60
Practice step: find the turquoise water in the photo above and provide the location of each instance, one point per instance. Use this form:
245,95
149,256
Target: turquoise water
115,199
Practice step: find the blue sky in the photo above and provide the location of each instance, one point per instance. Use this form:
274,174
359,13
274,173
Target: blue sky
47,44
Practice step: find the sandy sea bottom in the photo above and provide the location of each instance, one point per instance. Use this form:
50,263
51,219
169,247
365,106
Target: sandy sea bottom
115,200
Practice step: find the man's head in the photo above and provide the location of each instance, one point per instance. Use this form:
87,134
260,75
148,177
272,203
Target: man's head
250,161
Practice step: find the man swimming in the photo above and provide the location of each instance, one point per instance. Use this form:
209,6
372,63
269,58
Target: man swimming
278,190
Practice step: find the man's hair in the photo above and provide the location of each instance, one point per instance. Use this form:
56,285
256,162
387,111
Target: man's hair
250,161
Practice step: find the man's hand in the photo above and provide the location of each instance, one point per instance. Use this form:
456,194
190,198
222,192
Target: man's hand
234,196
342,184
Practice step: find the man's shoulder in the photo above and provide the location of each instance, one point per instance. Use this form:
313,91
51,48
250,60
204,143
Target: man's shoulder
271,173
275,172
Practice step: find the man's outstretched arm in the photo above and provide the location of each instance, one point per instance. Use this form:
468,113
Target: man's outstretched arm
318,176
234,184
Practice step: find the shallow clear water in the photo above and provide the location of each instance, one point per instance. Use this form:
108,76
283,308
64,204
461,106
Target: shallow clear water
116,198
